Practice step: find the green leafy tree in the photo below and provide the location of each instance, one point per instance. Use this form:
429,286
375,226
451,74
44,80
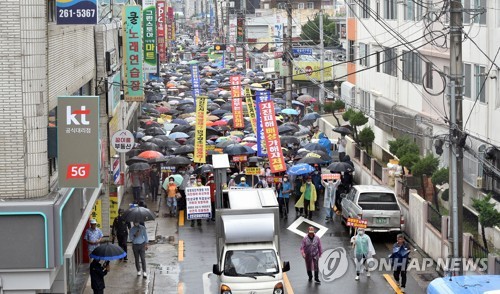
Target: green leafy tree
489,216
333,107
426,165
310,31
440,177
356,119
366,137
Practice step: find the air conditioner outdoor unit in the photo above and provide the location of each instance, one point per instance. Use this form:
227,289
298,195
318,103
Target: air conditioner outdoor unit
479,182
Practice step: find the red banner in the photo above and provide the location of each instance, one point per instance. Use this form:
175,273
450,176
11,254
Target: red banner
160,30
238,121
235,86
273,144
170,21
239,158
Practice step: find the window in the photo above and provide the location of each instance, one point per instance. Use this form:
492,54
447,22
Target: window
390,61
364,8
480,83
467,80
350,8
428,77
364,52
310,5
480,18
281,5
300,5
51,11
378,9
364,101
266,5
466,14
390,9
377,57
413,10
412,67
351,51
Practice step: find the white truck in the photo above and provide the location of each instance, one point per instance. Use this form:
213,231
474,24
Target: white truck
248,259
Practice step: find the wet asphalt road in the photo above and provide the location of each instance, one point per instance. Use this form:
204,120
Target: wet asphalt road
200,254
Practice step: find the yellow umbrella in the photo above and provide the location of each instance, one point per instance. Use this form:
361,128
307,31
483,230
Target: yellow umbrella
212,117
160,120
256,85
237,133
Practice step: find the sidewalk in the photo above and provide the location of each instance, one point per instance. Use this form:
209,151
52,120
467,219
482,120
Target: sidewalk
161,258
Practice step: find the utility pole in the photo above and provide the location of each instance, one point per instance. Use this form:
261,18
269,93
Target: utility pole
244,12
457,137
287,54
322,58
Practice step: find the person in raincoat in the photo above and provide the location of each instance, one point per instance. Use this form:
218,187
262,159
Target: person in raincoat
311,251
308,198
363,250
330,195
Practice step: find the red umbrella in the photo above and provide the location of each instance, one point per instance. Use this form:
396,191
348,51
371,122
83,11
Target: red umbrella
150,154
220,123
163,109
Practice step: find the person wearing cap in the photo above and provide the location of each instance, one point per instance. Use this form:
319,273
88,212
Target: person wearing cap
232,181
120,231
311,251
284,191
307,198
93,236
243,183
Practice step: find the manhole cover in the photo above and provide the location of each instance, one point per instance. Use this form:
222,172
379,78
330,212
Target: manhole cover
427,277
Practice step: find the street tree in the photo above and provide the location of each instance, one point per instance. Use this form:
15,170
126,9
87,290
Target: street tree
310,31
356,119
489,216
333,107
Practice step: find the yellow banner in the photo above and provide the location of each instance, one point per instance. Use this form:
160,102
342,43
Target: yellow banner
113,207
97,213
251,108
200,135
252,170
312,70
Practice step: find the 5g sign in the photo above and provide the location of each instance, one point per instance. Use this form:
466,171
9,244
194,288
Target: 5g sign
78,141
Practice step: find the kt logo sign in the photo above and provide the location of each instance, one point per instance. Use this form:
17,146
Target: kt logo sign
71,116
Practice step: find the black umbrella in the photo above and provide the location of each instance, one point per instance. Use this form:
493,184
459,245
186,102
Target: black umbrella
338,167
154,131
138,166
255,159
185,149
163,137
211,132
311,160
161,143
342,130
235,149
204,169
178,160
181,129
162,159
226,143
315,146
285,140
134,152
316,153
149,146
138,215
108,252
135,159
286,129
220,112
226,106
172,144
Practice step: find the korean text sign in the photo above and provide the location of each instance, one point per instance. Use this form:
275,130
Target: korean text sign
78,149
200,131
198,203
149,27
273,144
132,55
237,102
76,12
160,30
195,81
357,223
251,108
261,96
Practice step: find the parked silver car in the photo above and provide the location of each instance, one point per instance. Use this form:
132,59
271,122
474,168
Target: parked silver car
376,204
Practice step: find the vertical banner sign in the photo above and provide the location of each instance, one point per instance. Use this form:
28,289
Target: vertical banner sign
97,213
251,108
200,130
132,53
195,81
78,141
160,30
237,102
232,33
76,12
261,96
113,207
198,204
273,144
170,24
149,27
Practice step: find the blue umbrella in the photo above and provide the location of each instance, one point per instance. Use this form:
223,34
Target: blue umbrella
179,121
249,150
178,135
290,111
300,169
297,103
311,116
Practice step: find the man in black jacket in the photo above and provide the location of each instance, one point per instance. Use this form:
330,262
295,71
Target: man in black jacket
120,231
97,273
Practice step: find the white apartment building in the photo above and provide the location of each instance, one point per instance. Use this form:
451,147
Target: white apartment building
399,59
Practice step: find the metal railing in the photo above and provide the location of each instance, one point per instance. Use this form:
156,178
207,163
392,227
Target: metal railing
377,169
357,152
476,250
434,217
367,160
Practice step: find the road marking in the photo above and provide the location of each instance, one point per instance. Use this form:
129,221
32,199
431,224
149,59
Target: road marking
294,227
181,218
181,250
393,284
288,286
180,288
